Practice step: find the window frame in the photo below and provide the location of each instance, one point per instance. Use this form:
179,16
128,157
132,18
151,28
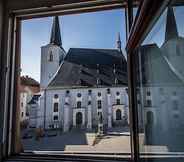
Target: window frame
11,53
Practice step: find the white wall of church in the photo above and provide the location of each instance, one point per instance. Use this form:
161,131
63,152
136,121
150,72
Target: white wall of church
51,55
47,107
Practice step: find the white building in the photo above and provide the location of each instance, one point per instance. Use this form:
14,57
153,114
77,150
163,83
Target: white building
84,88
28,88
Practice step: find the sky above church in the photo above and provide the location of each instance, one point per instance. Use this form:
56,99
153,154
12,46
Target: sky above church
89,30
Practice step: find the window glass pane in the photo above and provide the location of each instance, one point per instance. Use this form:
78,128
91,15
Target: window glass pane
160,85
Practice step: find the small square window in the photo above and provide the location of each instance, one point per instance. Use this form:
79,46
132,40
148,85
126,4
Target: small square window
118,101
55,117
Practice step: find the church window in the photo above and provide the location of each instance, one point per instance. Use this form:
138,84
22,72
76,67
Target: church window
148,93
99,104
56,96
118,101
50,57
79,104
138,102
89,91
99,94
55,117
117,93
22,114
79,95
89,102
149,103
108,91
56,107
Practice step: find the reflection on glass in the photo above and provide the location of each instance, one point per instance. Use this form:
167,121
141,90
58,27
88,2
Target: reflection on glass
160,85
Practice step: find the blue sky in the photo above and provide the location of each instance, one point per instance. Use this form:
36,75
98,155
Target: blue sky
89,30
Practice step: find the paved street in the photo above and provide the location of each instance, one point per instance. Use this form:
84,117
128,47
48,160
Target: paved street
76,141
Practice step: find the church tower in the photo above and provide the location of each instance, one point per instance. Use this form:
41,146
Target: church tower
52,55
119,42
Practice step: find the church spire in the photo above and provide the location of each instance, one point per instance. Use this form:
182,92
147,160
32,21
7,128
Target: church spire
171,27
119,42
55,33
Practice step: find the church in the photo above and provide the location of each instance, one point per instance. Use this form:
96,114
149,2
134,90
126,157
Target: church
83,88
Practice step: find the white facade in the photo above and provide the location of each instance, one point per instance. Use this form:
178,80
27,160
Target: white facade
74,111
25,97
51,57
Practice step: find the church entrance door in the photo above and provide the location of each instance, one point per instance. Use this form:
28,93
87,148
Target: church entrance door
79,119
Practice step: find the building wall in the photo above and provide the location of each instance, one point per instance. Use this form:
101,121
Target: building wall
167,110
26,93
49,68
49,95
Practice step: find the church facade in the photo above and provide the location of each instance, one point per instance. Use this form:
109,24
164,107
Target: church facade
83,88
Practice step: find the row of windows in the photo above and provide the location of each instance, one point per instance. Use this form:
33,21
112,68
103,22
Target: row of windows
79,104
149,104
79,94
148,93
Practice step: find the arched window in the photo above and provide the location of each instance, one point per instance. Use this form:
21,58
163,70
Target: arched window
55,107
118,114
56,96
79,104
50,57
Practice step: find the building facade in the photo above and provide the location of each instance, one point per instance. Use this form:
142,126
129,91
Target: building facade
83,88
28,88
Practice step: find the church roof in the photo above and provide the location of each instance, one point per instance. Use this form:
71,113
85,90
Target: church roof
28,81
156,70
82,67
55,32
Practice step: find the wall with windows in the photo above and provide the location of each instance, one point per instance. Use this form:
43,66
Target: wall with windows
79,101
